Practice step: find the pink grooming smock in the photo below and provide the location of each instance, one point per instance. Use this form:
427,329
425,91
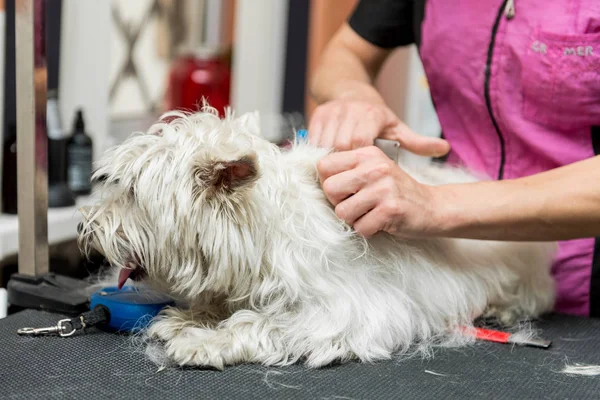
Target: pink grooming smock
516,95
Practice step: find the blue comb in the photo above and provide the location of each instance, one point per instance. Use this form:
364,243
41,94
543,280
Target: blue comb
301,135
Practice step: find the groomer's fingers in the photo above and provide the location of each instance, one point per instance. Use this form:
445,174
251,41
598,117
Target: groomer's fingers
415,143
335,118
340,186
336,163
365,133
372,222
343,139
315,128
339,162
356,206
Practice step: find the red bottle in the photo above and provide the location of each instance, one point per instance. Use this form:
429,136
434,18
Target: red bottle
202,69
196,77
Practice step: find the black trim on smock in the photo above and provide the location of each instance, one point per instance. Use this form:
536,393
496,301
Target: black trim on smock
595,276
486,85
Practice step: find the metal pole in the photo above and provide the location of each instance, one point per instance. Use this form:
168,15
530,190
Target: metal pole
32,164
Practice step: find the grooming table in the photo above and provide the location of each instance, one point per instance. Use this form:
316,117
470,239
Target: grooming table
101,365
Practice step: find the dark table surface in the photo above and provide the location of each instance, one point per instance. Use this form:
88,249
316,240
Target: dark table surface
99,365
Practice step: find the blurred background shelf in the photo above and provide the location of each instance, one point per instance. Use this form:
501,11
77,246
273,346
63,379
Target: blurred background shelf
62,227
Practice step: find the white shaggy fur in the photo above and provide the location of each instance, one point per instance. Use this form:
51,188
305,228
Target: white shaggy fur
240,232
581,370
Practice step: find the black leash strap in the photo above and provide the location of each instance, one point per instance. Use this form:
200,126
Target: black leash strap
66,327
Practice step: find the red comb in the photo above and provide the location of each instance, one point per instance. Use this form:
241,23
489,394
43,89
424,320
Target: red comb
490,335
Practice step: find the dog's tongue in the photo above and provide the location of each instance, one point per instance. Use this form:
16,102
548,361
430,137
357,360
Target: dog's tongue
123,276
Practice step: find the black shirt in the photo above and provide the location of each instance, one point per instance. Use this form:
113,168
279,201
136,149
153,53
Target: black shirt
388,23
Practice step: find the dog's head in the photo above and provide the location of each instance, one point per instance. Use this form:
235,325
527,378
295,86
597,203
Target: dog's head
179,206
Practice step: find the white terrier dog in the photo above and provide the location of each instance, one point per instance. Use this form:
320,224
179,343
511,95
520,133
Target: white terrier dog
240,232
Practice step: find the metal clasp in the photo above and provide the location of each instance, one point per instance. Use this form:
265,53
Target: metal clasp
63,328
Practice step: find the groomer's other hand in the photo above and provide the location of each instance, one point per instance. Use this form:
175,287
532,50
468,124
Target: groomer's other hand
372,193
349,124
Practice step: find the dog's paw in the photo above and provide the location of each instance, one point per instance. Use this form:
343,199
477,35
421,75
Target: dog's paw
164,329
188,351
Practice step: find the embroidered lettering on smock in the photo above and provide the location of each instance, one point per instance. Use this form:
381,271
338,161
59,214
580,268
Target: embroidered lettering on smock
539,47
581,51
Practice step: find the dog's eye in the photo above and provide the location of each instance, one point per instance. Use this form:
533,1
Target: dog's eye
101,179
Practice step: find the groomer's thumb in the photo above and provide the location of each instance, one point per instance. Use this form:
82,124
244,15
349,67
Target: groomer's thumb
415,143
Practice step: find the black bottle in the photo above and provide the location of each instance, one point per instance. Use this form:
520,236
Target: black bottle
9,172
8,131
79,158
59,193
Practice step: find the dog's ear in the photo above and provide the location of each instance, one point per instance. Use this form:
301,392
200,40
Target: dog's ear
227,175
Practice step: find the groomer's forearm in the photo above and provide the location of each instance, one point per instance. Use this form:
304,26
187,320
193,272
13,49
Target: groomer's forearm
560,204
341,75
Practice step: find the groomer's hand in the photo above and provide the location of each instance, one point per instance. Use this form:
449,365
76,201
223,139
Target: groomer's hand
349,124
372,193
